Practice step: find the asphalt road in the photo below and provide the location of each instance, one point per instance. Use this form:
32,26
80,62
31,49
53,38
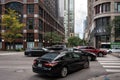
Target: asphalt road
16,66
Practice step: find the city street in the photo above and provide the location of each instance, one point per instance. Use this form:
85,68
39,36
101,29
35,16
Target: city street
16,66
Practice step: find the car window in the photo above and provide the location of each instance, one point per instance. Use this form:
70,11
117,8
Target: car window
50,56
76,55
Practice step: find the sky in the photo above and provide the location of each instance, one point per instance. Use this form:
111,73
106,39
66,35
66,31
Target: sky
80,16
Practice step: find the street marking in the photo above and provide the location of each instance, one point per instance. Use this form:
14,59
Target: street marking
15,67
111,67
112,70
108,61
2,54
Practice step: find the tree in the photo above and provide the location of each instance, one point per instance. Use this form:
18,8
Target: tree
74,41
53,37
13,27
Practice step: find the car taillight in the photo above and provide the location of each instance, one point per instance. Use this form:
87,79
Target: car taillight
34,62
51,64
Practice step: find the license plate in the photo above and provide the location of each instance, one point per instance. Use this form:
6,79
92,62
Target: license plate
39,65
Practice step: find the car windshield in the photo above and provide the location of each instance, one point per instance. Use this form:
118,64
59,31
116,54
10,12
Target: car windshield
50,56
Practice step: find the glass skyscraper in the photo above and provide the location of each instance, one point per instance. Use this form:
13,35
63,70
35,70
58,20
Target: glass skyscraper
69,18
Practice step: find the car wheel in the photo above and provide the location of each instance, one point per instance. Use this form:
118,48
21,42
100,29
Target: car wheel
64,72
100,54
89,58
86,65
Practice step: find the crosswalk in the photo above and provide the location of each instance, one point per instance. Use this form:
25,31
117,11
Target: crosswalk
110,63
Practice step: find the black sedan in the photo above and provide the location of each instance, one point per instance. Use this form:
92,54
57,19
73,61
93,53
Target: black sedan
35,52
91,56
60,63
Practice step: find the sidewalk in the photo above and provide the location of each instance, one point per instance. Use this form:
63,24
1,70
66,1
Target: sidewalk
116,54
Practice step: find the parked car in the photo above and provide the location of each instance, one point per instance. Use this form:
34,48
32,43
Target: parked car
35,51
98,52
60,63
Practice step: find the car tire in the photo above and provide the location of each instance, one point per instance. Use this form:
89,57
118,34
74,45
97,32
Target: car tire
100,54
86,65
64,72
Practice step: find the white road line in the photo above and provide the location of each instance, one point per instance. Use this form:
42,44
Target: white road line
112,67
109,59
112,70
9,54
110,63
15,67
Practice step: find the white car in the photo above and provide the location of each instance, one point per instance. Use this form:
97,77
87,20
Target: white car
116,50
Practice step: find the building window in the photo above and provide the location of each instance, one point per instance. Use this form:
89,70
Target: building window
40,25
105,7
30,44
102,8
30,23
40,11
117,7
101,25
30,8
30,37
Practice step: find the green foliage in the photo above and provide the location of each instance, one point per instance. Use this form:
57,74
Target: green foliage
13,26
116,22
75,41
53,37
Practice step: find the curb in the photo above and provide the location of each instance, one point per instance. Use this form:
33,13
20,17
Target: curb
116,54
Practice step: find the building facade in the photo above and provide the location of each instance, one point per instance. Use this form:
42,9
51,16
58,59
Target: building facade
39,18
69,18
100,15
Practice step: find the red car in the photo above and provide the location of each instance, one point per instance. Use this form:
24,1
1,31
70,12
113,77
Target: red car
98,52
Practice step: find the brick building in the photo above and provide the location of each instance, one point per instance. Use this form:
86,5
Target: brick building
38,18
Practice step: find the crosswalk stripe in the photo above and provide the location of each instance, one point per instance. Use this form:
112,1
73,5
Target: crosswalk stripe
108,61
112,70
15,67
9,54
111,67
